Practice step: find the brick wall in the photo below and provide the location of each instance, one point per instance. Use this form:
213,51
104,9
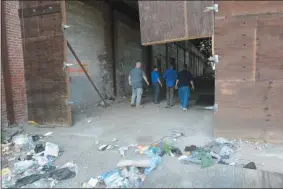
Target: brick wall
89,34
128,51
15,63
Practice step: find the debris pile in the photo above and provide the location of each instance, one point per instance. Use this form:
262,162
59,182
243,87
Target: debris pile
28,162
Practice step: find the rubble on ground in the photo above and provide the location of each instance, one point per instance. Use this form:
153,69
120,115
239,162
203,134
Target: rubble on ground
27,161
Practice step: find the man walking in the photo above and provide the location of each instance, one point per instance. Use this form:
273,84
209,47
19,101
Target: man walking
183,83
155,83
136,77
170,77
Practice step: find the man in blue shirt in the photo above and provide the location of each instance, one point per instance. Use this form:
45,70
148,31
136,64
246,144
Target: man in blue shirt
170,77
155,83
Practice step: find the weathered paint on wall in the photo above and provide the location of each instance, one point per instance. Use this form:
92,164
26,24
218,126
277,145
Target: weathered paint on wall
128,51
87,36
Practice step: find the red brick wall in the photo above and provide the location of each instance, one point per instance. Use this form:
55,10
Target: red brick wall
15,62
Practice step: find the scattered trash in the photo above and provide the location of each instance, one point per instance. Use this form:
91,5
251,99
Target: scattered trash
47,134
154,162
190,148
176,151
226,150
5,171
21,141
39,148
223,162
89,121
35,138
250,165
41,183
102,147
22,166
33,122
218,157
62,174
135,163
200,156
110,147
33,162
28,180
51,149
123,149
114,140
91,183
97,142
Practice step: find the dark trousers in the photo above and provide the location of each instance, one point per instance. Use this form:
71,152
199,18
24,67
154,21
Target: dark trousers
156,89
170,95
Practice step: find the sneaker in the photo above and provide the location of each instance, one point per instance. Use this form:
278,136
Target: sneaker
132,105
185,109
168,106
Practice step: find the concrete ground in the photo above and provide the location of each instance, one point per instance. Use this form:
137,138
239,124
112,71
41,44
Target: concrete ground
143,126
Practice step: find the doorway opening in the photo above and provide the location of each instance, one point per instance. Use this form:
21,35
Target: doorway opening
195,54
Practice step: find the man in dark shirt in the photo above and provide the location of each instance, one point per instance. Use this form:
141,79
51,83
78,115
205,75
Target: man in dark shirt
183,82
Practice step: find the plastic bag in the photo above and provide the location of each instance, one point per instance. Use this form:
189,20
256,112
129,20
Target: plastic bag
28,180
51,149
154,162
67,171
72,166
62,174
22,166
21,141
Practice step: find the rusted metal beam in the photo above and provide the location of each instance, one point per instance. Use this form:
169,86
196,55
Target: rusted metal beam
90,80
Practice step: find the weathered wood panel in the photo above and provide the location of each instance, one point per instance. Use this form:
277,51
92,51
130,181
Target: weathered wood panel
237,8
240,94
235,44
167,21
44,56
249,83
269,57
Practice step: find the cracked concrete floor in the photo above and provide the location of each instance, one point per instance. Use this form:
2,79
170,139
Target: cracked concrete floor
141,126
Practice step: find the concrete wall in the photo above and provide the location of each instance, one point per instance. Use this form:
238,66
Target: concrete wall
128,51
89,37
15,90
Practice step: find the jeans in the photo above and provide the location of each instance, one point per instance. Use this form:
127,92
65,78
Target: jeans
156,90
184,94
136,96
170,95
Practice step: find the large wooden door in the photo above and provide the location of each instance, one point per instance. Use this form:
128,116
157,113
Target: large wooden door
249,75
44,55
170,21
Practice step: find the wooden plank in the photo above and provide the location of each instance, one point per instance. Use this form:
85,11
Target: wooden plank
199,24
240,8
169,21
240,94
161,20
269,62
234,43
